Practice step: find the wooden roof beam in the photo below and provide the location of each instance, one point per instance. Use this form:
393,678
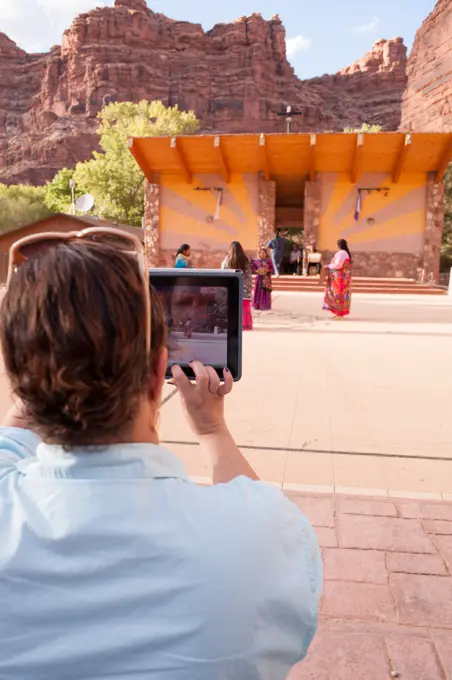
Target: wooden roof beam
446,158
358,158
181,161
224,169
264,165
312,157
401,159
141,159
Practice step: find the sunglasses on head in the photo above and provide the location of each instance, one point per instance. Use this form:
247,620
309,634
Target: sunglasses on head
31,247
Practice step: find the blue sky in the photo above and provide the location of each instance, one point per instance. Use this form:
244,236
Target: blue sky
324,35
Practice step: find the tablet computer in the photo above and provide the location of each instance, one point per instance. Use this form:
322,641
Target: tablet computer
204,315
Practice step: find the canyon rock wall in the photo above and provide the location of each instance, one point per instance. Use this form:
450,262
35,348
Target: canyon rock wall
236,78
427,103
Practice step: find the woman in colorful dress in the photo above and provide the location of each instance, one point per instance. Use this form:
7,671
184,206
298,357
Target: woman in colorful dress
338,283
263,267
183,257
237,259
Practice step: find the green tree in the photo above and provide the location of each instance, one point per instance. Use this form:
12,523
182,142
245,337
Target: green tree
365,127
58,193
21,204
113,177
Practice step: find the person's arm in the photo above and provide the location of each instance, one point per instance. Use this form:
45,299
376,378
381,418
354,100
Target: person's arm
224,458
203,403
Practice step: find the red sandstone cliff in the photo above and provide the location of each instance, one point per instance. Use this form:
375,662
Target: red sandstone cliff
236,77
427,104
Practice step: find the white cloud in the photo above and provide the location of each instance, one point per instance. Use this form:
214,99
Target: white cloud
370,27
45,20
297,44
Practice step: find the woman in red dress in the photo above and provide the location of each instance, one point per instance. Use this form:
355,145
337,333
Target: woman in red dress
338,285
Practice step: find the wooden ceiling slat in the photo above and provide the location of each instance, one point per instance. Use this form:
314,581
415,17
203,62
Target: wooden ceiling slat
292,154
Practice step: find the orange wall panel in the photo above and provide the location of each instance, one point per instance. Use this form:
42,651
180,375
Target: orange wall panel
186,215
394,223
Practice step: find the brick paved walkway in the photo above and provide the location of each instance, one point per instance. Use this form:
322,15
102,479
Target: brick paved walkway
387,604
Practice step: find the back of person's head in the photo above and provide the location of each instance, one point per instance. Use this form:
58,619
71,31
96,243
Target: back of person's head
73,337
237,258
343,245
184,248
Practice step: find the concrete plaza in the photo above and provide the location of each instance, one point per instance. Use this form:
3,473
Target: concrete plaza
354,406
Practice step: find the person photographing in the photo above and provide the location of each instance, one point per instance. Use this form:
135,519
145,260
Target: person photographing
113,564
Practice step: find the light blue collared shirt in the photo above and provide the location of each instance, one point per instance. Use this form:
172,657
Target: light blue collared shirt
113,565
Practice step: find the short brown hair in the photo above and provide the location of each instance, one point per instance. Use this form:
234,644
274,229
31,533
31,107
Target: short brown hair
73,338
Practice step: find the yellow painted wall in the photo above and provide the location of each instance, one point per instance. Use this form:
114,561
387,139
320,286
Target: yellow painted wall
186,214
399,218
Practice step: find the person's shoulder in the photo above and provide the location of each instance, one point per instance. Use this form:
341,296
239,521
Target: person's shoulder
261,510
16,445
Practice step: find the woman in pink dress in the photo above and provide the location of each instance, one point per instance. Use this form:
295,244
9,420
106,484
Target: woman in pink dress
263,267
338,285
237,259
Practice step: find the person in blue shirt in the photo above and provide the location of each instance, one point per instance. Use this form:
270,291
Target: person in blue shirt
183,257
277,246
113,564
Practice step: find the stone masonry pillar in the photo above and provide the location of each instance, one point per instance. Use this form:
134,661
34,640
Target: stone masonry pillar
152,224
311,212
267,211
433,230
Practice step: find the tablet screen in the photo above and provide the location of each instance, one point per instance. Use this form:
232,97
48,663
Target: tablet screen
197,319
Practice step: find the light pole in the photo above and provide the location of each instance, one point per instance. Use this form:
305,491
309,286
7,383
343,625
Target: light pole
72,185
289,116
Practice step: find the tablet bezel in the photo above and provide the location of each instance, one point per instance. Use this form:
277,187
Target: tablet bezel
214,278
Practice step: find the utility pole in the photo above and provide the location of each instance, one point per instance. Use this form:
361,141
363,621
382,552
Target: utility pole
72,185
289,116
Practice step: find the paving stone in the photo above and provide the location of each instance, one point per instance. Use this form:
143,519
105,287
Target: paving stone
437,511
409,510
438,526
362,601
415,564
338,656
414,658
319,511
444,545
326,537
383,533
363,507
443,641
365,566
423,600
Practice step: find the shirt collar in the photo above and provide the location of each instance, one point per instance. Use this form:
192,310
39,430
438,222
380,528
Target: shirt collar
119,461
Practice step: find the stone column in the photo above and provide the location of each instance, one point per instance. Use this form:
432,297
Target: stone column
311,212
433,230
267,211
152,224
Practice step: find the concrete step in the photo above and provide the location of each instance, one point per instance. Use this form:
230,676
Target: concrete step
303,284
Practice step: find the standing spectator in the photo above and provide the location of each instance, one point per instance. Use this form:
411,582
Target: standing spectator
263,267
277,246
237,259
295,259
183,257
